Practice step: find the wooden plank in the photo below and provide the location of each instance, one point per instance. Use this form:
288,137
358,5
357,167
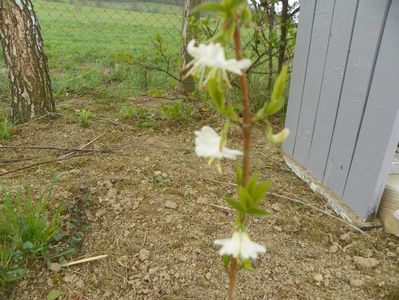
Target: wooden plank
299,71
370,19
313,80
379,134
337,55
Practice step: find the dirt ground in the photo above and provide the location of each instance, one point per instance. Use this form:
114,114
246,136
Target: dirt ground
153,207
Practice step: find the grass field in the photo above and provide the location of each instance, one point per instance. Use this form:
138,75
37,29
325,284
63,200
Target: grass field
96,47
89,46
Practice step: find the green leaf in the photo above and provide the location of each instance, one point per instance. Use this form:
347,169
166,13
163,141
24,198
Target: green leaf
277,100
208,7
238,206
257,212
235,3
279,84
216,92
226,260
247,266
252,182
245,197
54,294
260,191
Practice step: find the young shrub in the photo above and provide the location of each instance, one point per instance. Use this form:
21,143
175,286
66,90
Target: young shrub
85,117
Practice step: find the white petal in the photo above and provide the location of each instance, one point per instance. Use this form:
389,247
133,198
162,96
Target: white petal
233,66
209,131
230,246
192,50
396,215
250,249
244,63
231,153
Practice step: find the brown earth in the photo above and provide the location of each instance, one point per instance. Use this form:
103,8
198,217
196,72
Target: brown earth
154,209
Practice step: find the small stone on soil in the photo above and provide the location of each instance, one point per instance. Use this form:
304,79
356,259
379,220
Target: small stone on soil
356,282
55,267
144,254
276,207
345,237
365,262
170,204
318,277
334,248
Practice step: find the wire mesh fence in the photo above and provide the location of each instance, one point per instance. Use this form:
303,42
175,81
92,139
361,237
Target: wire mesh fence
118,48
106,44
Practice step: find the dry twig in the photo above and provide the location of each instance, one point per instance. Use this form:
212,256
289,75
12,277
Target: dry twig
84,146
84,260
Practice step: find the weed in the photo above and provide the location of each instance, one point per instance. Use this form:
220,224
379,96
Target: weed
156,92
177,112
5,128
85,117
26,229
140,116
128,112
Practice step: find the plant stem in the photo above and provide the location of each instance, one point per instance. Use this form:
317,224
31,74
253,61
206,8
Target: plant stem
233,278
246,136
246,124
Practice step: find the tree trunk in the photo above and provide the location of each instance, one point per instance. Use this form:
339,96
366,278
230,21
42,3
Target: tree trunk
188,34
283,34
27,64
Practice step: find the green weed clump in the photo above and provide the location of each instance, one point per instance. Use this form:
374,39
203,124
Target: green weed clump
177,112
26,230
85,117
5,127
128,112
140,116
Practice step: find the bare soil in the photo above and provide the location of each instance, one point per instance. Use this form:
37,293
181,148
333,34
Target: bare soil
154,209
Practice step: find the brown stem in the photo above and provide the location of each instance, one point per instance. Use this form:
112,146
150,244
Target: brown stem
233,278
246,124
246,135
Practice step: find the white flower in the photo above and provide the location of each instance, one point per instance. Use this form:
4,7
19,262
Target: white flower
280,137
212,56
208,144
396,215
240,246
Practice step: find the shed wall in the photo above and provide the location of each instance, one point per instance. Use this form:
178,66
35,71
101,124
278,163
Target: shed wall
344,97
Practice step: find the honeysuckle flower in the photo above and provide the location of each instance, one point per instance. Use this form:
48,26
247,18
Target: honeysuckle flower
209,144
240,246
212,57
396,215
278,138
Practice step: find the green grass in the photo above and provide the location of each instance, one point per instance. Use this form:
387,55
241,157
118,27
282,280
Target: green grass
85,117
26,229
177,112
5,130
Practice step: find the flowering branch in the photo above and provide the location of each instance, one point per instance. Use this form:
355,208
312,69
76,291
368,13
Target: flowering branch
210,66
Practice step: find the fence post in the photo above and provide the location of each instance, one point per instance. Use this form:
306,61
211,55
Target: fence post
188,33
